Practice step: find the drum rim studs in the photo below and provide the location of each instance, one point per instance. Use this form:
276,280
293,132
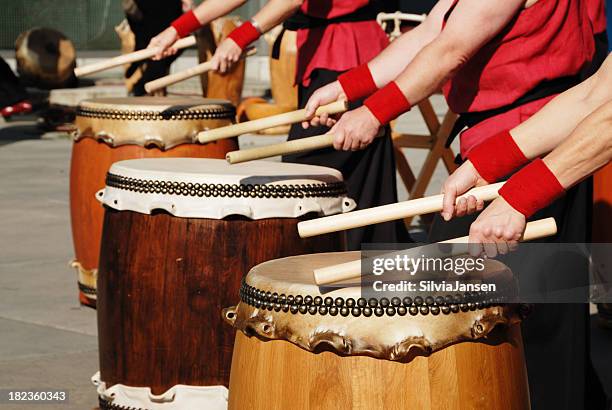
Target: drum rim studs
308,304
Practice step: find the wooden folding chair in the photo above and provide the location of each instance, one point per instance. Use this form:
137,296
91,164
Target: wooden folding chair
434,142
438,132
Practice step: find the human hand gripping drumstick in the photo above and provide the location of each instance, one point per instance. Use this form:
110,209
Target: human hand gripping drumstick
352,270
129,58
284,148
170,79
268,122
391,212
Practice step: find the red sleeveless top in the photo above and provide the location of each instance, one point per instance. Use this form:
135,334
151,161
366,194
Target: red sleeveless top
549,40
597,14
339,46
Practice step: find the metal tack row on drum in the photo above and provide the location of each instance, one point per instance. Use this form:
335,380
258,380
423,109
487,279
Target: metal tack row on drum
113,129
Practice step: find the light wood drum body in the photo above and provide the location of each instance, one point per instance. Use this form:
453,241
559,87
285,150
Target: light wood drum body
179,235
282,83
114,129
214,85
282,71
304,347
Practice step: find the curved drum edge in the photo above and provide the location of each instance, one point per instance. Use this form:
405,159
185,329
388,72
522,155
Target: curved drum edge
179,397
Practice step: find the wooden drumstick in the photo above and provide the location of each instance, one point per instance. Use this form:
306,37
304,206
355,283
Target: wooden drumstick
284,148
386,213
268,122
352,270
130,57
185,74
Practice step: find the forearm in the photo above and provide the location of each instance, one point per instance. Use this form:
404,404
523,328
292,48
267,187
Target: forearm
588,148
210,10
396,56
428,72
556,120
440,60
275,12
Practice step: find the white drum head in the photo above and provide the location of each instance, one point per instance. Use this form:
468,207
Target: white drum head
212,188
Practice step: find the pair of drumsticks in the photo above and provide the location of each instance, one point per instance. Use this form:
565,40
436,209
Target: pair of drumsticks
355,219
351,270
146,53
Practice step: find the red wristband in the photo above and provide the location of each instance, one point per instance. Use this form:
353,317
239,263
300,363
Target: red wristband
357,83
186,24
497,157
387,103
244,35
532,188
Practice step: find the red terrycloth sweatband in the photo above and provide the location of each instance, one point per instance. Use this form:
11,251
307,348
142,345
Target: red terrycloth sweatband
245,34
497,157
186,24
357,83
532,188
387,103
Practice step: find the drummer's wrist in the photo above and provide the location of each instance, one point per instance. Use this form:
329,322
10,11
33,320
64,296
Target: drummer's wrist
532,188
245,34
186,24
357,83
387,103
497,157
174,32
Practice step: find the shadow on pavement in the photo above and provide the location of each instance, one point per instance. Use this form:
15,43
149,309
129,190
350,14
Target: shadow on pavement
19,130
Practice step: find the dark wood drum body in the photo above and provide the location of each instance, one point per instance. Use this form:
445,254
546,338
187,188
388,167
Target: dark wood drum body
166,275
331,349
163,283
115,129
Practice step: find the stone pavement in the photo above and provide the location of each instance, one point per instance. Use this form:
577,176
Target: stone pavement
46,339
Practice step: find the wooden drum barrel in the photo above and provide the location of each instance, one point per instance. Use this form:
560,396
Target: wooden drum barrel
179,236
214,85
303,347
114,129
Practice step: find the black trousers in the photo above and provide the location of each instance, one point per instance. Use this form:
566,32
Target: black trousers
369,173
147,18
555,335
11,90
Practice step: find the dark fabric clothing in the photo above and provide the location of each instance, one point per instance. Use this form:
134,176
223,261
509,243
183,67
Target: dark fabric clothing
416,7
11,90
601,49
147,18
556,336
369,174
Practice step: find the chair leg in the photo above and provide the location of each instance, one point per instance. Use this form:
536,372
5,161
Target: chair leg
437,151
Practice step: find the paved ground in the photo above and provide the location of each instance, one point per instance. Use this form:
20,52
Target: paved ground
46,339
